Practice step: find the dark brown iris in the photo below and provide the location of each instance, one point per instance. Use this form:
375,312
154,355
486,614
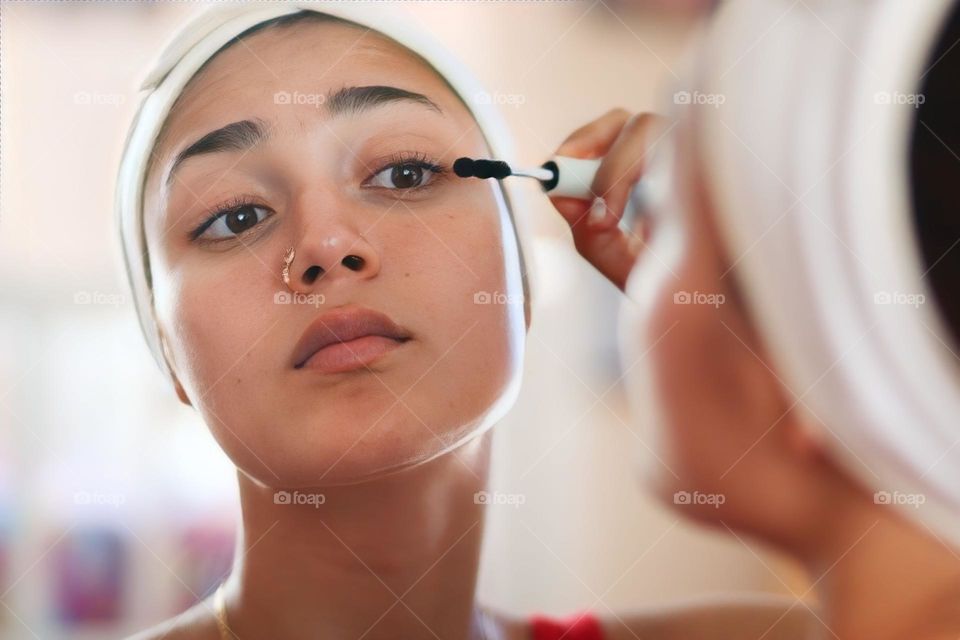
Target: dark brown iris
239,220
406,176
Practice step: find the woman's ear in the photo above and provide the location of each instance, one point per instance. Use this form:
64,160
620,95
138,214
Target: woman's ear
167,359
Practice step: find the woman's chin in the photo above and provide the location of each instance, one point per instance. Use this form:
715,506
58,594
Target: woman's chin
353,458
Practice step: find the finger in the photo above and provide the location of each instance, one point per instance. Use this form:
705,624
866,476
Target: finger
611,252
623,165
593,139
573,210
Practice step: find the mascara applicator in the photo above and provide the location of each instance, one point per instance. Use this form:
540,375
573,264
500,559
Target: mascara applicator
561,176
570,178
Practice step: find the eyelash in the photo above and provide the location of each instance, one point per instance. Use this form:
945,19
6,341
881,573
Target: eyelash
416,159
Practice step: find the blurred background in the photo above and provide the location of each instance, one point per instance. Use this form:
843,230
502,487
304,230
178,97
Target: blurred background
117,510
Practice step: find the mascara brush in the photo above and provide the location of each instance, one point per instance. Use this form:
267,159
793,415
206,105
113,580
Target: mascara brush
561,176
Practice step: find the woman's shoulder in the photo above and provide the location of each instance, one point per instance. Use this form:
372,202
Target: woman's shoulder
196,623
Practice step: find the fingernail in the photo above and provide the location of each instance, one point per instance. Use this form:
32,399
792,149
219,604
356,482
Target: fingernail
598,210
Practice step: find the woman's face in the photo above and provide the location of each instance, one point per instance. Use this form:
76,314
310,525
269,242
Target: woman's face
339,169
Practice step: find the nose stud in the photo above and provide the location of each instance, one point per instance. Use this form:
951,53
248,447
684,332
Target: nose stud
287,261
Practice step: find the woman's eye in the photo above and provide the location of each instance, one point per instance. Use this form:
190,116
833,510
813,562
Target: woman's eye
406,175
234,222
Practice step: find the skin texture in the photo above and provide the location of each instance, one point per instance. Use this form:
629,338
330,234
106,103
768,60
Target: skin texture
709,396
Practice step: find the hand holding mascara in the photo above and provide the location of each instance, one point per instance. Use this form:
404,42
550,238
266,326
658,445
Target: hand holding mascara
600,198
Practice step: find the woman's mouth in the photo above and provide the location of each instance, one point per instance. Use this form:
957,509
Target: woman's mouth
347,338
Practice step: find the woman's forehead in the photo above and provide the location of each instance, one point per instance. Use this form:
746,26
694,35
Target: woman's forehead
293,66
312,59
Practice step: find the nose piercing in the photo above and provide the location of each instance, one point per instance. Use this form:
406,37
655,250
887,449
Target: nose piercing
287,261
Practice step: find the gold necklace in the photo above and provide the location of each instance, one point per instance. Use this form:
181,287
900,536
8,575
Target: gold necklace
220,610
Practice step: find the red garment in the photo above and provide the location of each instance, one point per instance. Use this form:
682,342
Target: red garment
579,626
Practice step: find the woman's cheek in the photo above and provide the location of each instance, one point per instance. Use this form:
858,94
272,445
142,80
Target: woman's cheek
457,250
218,322
462,296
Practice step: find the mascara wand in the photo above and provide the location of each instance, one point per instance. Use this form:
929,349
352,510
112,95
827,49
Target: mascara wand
561,176
566,177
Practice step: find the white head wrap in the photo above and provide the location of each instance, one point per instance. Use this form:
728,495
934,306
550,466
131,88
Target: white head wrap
198,42
807,163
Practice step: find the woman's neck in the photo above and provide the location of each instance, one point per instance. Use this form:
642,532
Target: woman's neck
881,577
395,557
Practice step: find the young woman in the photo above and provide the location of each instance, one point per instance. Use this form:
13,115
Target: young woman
306,267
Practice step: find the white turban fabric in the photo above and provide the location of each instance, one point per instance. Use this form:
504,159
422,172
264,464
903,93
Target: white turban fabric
198,42
807,157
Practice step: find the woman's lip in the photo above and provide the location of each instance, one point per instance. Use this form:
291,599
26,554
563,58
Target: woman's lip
353,354
340,328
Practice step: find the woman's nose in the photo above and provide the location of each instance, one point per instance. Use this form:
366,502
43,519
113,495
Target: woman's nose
333,253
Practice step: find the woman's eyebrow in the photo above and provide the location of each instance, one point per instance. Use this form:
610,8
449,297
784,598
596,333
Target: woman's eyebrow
236,136
246,134
353,100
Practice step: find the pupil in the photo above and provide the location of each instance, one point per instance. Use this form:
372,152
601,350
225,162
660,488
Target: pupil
241,219
405,176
